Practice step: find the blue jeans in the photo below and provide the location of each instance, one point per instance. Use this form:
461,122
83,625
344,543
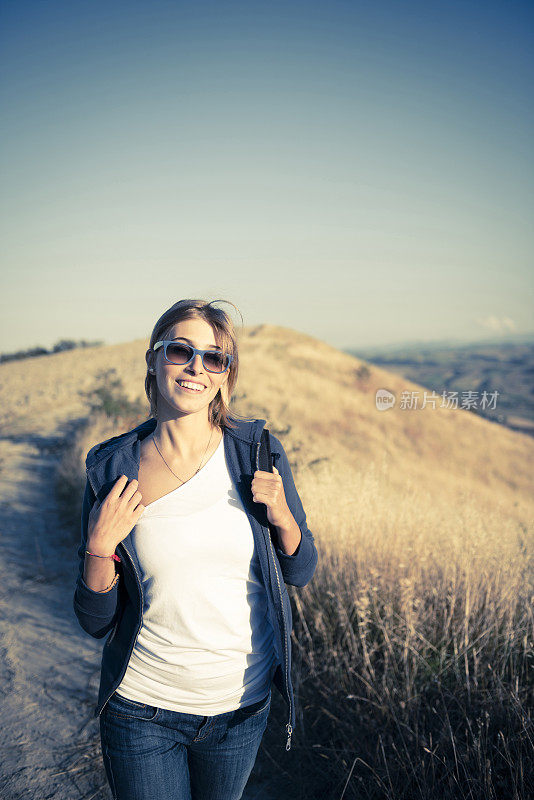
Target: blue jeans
152,753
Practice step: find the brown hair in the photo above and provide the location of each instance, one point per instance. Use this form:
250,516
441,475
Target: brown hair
219,411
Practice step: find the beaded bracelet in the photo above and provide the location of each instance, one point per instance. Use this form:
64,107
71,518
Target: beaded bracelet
111,585
114,557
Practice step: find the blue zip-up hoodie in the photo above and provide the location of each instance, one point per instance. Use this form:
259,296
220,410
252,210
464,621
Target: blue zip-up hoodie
120,609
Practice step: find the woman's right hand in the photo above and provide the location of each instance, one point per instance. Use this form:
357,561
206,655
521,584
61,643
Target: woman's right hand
112,520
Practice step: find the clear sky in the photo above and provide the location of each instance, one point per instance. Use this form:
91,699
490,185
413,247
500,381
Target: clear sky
363,172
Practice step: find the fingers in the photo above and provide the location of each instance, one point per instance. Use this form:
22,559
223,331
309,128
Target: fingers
139,510
122,489
133,496
262,474
118,486
130,490
119,511
135,500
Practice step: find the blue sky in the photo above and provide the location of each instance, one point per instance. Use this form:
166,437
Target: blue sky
361,172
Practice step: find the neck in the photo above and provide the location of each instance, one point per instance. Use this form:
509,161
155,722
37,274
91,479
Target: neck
185,437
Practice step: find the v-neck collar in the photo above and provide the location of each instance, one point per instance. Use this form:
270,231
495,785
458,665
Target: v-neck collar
191,479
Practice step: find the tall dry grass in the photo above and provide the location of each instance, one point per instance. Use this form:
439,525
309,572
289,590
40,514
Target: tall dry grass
413,643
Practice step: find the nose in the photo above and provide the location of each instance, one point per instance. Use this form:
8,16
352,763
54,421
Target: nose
196,363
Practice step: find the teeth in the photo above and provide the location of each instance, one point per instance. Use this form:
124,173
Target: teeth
189,385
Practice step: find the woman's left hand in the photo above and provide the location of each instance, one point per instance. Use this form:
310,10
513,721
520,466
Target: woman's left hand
268,488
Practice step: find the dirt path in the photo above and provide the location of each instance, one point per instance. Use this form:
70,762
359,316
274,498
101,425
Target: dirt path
49,667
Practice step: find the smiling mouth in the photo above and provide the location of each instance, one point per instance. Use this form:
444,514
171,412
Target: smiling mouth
198,390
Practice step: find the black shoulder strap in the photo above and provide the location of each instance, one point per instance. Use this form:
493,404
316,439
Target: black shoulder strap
266,464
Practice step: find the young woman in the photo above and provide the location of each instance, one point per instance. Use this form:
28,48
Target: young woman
185,551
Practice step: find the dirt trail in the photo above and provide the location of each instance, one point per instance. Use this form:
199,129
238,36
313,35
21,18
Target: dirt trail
49,667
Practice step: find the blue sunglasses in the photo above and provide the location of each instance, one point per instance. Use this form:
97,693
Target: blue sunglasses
182,354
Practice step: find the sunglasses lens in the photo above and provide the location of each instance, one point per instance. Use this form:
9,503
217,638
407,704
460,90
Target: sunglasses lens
179,353
216,362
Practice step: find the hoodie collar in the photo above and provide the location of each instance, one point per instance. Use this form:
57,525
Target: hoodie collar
130,442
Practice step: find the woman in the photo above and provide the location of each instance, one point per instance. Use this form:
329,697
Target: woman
185,551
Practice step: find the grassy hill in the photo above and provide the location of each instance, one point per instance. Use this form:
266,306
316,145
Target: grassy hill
413,642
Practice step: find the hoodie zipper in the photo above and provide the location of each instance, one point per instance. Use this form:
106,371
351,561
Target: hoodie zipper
141,604
288,726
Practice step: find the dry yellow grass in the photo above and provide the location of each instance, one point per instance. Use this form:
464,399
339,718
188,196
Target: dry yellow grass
424,524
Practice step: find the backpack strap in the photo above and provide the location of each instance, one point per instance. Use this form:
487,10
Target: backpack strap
266,464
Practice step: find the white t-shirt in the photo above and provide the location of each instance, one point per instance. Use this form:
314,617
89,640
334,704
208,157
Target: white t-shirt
206,644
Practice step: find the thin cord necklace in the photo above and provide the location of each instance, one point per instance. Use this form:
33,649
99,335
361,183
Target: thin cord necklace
201,460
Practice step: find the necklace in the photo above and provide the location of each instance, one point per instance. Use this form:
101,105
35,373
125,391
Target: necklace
201,460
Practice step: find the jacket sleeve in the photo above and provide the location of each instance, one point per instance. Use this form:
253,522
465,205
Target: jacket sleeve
298,568
96,611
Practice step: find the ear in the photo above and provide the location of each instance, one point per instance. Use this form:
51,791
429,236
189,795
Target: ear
149,358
